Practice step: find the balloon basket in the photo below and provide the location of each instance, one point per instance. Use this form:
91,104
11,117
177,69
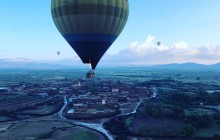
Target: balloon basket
90,74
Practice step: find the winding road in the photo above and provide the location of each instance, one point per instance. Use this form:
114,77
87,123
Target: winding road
99,126
95,126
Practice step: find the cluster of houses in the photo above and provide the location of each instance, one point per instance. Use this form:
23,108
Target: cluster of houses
95,98
98,99
86,98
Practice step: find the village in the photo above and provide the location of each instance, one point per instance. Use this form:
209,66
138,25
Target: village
94,98
87,99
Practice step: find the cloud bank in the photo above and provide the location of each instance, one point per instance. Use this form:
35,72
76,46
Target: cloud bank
149,53
142,54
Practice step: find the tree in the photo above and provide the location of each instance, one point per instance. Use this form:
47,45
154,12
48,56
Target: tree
128,122
188,130
200,121
154,110
181,97
178,112
144,130
122,137
100,107
3,112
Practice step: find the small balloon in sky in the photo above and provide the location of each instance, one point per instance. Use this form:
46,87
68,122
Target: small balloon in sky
158,43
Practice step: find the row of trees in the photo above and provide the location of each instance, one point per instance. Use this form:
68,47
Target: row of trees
187,130
159,110
196,99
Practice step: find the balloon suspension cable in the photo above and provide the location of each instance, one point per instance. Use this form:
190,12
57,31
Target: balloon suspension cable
90,66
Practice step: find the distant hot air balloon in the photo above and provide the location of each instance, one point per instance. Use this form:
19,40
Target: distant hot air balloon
158,43
58,53
90,26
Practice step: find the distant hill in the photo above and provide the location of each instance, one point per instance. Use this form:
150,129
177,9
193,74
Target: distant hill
32,64
183,65
217,65
27,63
10,63
76,63
189,65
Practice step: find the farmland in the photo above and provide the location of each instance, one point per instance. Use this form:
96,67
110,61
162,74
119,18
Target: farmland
16,107
52,129
186,103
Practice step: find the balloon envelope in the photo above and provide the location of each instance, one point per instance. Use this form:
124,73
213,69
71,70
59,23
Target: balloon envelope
58,53
90,26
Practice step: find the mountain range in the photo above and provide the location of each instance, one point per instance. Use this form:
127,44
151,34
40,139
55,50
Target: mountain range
73,63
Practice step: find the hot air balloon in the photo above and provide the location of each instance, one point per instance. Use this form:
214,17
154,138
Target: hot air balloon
158,43
58,52
90,26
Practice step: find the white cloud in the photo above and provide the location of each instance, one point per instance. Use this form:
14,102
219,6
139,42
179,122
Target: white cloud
149,53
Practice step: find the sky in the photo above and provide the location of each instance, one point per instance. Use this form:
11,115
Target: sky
189,31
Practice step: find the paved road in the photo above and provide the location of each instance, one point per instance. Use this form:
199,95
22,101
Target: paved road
60,113
95,126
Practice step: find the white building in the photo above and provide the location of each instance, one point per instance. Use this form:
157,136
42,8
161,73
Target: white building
115,90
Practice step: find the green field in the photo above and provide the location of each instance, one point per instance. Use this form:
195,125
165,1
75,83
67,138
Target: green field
83,135
123,74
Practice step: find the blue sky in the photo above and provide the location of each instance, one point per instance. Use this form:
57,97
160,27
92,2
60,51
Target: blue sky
188,29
